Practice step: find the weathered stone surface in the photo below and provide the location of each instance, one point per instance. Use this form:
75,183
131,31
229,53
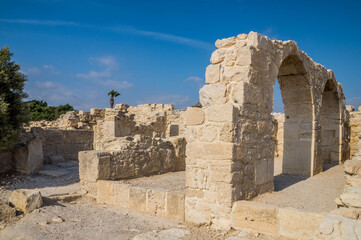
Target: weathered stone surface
338,227
352,197
296,224
28,155
26,200
353,167
225,42
94,165
6,212
194,116
213,73
256,216
213,94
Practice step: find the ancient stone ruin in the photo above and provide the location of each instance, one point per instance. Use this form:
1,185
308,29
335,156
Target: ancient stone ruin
206,165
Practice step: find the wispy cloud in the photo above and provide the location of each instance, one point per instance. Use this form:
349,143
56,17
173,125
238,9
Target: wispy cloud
41,22
165,37
108,62
124,30
33,71
194,79
104,77
53,93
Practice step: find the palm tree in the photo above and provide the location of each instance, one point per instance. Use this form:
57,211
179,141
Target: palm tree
112,95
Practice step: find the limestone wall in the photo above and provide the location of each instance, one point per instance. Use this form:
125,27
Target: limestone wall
66,143
130,157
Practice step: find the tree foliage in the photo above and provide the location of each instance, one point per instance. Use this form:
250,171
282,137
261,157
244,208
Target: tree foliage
39,110
12,109
112,95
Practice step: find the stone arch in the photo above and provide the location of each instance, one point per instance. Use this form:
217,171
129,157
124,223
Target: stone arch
230,146
331,127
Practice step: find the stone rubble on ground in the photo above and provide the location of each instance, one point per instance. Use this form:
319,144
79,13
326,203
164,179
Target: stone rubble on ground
26,200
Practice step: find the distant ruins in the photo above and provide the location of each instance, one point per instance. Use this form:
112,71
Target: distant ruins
226,148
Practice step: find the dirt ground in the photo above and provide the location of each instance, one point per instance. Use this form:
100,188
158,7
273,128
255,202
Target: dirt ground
83,218
315,194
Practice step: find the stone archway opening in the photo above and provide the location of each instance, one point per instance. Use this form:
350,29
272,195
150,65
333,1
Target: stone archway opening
298,110
330,119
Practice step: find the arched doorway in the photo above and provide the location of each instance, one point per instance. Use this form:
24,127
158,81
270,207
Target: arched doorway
330,118
297,100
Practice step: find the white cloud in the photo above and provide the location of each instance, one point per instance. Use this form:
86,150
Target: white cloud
53,93
33,70
40,22
108,62
102,77
194,79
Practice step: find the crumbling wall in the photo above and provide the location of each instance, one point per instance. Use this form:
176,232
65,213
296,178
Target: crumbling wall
129,157
71,120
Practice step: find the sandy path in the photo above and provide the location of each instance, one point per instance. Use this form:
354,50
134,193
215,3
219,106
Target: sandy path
315,194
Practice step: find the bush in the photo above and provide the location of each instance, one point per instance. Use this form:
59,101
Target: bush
12,110
39,110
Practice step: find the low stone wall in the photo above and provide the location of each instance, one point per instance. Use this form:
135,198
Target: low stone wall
66,143
130,157
169,204
286,222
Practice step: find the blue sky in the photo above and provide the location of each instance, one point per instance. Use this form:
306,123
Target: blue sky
157,51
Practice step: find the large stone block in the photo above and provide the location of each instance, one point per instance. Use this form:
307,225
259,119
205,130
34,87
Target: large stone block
352,197
174,206
213,94
155,202
138,199
26,200
213,73
255,216
29,159
225,42
194,116
217,151
221,113
94,165
353,167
